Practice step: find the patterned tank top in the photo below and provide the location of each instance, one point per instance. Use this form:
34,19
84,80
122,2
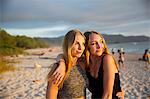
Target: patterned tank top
74,85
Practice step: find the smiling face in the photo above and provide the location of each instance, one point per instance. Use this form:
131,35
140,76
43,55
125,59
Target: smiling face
96,44
78,46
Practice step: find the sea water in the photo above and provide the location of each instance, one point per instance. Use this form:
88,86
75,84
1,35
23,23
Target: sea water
138,47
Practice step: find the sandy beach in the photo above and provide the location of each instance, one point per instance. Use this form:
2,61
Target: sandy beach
19,84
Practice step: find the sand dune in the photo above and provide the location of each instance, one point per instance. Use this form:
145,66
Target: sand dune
135,76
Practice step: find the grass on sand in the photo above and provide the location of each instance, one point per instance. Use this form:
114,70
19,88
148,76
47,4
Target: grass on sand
6,66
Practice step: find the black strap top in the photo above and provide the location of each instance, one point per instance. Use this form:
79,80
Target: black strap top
96,85
74,85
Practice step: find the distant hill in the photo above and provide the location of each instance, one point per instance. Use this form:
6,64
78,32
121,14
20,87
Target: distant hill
57,41
124,39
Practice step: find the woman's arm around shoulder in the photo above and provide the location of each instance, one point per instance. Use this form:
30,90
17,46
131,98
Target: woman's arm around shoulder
52,91
52,86
109,68
59,73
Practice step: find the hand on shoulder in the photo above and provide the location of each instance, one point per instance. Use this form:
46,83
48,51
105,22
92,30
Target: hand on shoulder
57,73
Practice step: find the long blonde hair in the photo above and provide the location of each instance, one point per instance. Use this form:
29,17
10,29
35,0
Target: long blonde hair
87,52
67,46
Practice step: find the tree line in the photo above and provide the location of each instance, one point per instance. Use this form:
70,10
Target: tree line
10,45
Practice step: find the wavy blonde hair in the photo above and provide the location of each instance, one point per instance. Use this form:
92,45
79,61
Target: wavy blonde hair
68,42
87,51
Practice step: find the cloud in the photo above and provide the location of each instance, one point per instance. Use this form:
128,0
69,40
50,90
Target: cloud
102,15
39,32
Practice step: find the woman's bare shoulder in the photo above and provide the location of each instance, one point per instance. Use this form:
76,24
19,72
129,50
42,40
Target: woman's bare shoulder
109,62
108,57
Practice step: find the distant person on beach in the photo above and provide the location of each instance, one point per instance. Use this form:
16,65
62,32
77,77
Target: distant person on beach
113,51
101,68
146,56
72,83
121,58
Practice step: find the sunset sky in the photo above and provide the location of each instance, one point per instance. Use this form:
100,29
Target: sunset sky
52,18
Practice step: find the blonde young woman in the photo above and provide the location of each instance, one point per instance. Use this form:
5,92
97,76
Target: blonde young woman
101,67
72,84
102,70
